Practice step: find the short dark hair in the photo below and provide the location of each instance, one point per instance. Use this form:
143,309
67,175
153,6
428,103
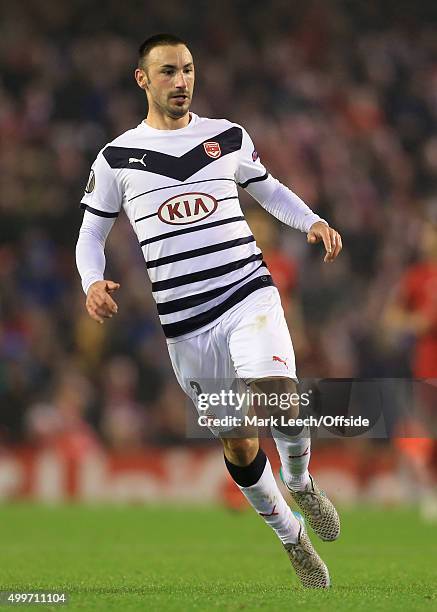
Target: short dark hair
156,41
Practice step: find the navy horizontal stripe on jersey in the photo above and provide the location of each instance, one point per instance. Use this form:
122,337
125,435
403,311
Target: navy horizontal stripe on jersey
255,179
213,248
99,213
187,230
194,277
173,330
191,301
178,186
179,168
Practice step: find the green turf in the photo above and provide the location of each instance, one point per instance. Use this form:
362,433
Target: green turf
139,558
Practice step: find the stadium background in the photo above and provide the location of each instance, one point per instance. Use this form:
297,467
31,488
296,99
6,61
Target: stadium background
341,101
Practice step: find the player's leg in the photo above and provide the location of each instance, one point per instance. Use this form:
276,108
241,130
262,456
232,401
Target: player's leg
293,442
203,365
250,469
263,355
294,446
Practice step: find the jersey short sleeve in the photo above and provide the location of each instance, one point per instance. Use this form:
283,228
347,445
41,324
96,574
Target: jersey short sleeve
103,195
250,168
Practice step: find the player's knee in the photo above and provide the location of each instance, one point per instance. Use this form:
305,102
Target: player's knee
277,395
240,451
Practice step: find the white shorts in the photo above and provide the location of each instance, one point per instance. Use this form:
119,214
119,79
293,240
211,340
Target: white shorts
251,341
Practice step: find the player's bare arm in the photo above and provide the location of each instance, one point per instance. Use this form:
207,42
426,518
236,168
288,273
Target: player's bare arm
320,231
99,302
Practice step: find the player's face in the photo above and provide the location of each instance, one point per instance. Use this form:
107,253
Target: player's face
170,79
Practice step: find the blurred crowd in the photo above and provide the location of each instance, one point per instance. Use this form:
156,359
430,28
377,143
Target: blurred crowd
341,101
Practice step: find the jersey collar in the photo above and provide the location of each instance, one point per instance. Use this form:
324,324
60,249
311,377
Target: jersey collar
193,120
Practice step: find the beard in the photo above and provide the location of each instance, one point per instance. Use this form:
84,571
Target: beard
175,110
177,113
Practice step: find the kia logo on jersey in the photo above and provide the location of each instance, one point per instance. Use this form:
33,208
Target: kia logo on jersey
187,208
212,149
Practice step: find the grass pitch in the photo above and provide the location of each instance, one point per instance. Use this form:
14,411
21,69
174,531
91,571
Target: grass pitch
141,558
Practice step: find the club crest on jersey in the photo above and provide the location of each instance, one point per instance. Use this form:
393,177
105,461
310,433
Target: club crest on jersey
212,149
187,208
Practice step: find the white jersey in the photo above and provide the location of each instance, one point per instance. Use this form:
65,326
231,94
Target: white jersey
179,191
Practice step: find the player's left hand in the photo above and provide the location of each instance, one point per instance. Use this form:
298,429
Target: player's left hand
331,239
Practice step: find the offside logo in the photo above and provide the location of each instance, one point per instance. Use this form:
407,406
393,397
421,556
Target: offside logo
187,208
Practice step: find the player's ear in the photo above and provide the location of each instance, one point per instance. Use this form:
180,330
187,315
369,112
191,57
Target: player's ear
141,78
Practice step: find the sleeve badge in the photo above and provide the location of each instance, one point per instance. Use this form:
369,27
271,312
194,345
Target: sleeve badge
91,182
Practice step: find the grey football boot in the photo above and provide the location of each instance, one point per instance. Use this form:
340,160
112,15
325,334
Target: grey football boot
317,509
309,567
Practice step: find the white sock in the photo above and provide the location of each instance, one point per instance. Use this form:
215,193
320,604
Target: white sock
295,453
268,501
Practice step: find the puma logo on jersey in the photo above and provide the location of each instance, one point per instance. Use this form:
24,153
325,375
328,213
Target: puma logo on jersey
187,208
132,160
284,361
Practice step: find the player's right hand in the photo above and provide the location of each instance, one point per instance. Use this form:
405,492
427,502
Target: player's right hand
99,303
